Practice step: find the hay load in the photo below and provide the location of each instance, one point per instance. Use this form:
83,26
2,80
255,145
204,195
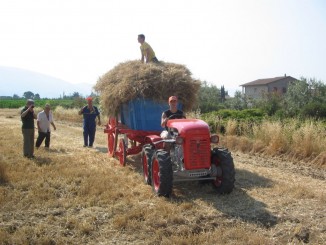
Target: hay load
133,79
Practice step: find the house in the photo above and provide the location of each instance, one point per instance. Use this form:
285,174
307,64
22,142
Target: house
257,88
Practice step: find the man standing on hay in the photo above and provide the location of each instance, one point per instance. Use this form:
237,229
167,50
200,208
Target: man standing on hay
147,53
89,113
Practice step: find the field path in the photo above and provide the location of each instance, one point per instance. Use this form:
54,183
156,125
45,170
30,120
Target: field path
84,197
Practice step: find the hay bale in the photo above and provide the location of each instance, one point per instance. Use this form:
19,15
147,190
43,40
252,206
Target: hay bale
133,79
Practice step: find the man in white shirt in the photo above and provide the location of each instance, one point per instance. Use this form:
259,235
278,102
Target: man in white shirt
44,119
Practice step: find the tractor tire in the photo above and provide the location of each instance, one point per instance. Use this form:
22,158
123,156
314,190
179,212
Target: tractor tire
223,159
162,173
146,158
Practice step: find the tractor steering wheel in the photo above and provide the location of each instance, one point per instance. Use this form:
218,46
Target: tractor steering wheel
176,116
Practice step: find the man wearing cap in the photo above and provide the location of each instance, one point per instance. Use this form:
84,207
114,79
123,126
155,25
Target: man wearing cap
28,115
44,120
173,111
89,113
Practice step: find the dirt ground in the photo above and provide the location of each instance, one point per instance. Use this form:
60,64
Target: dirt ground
274,200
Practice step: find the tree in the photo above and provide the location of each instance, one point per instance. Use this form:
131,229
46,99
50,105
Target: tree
78,102
239,102
37,97
28,95
296,97
75,95
15,96
222,94
270,103
209,97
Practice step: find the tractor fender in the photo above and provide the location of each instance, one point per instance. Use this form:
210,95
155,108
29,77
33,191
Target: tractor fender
154,140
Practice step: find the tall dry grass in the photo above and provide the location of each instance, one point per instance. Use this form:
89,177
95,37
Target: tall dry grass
309,140
295,139
71,115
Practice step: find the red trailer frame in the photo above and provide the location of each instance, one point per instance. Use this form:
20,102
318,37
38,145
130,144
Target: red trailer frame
118,147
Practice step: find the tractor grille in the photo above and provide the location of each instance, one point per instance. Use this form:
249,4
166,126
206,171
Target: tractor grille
199,153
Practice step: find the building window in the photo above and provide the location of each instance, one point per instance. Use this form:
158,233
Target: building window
284,90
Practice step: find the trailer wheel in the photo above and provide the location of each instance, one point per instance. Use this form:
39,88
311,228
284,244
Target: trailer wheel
146,157
112,143
162,174
224,183
121,152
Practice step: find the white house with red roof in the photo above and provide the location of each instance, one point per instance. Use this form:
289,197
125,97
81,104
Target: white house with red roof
257,88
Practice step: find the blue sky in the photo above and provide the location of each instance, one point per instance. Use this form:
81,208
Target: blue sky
228,42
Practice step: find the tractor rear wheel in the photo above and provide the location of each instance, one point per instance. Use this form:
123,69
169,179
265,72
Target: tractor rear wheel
146,158
121,152
162,174
112,142
223,160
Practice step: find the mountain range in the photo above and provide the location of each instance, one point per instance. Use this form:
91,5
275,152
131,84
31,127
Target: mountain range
16,81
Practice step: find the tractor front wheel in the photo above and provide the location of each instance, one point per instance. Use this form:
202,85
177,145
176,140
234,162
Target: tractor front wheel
224,182
162,174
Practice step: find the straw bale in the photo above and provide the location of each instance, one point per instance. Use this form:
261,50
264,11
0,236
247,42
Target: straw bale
133,79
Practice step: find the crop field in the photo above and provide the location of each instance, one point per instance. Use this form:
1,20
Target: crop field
75,195
19,103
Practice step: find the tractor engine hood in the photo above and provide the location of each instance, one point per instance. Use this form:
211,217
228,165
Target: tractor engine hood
184,126
196,143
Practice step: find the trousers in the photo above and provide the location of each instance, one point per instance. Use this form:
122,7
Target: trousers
41,137
28,147
89,135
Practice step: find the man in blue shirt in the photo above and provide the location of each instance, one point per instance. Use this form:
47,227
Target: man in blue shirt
89,113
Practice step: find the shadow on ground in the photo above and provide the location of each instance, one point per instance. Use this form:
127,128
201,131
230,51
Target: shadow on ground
42,160
237,205
102,149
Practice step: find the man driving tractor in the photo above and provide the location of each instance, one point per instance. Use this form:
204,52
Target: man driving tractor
168,114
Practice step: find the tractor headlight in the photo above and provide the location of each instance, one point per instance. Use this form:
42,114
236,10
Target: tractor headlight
214,138
179,140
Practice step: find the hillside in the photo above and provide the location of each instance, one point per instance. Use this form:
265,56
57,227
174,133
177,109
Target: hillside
17,81
75,195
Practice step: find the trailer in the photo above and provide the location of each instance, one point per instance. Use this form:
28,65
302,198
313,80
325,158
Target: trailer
137,123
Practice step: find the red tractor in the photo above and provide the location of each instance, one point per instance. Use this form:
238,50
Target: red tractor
186,155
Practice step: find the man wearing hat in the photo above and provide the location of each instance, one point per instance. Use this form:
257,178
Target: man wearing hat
27,116
89,113
173,111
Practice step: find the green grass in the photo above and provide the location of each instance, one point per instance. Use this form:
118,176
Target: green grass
65,103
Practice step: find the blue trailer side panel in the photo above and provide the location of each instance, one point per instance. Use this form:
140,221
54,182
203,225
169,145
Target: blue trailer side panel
143,114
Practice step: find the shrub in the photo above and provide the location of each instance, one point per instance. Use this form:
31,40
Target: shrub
314,109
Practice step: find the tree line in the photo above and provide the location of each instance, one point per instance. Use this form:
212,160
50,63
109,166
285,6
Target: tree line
31,95
304,98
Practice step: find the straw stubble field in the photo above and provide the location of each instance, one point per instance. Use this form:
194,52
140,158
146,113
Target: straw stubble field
75,195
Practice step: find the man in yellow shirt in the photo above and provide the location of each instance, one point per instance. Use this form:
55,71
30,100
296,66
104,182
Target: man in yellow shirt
147,53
